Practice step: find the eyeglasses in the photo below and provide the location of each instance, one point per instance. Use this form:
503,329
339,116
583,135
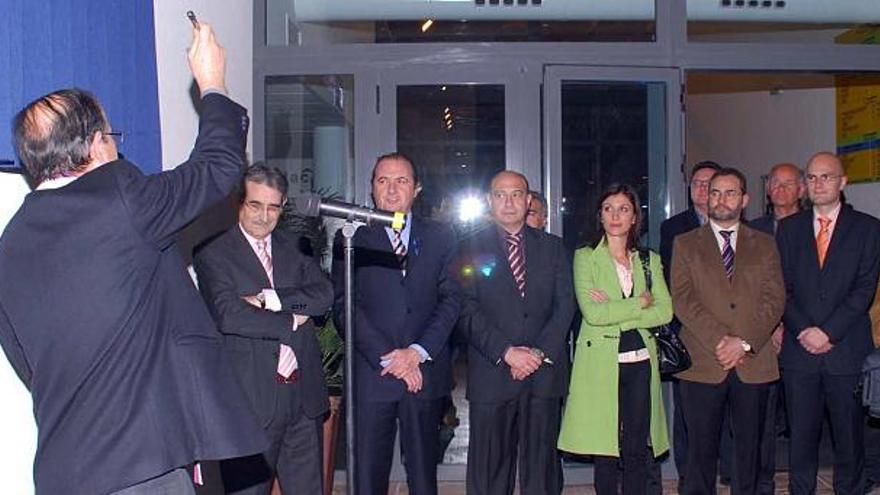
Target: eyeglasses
789,184
256,207
119,136
700,184
823,178
728,194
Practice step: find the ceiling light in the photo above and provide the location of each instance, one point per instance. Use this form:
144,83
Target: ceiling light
427,25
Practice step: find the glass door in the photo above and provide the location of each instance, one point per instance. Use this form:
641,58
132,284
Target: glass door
607,125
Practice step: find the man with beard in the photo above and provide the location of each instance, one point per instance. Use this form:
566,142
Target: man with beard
727,291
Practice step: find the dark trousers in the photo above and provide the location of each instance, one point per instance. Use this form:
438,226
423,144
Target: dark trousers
634,419
176,482
526,428
294,455
679,431
376,426
767,468
808,395
704,408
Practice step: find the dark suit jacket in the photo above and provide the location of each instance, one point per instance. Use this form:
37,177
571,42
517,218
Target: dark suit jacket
669,230
709,306
835,298
495,316
766,224
393,311
103,324
228,269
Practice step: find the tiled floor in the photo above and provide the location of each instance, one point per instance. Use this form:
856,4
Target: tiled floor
824,487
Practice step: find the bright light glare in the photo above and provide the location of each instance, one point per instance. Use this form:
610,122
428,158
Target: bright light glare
427,25
470,208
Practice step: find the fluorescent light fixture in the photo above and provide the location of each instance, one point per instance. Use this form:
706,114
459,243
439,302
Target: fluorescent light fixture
427,25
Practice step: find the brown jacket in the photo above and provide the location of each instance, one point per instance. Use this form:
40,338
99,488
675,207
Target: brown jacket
709,306
875,318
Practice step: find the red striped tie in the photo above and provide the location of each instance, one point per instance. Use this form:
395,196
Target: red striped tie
517,262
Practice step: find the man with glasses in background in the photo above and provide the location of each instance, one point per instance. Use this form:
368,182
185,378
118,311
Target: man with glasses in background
694,217
830,259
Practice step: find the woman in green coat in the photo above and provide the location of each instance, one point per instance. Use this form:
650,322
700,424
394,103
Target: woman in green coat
614,405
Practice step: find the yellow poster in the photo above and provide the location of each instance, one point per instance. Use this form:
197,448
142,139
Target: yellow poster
858,114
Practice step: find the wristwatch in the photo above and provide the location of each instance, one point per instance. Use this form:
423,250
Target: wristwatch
747,348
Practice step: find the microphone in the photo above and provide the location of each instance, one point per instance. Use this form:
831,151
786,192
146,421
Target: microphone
312,205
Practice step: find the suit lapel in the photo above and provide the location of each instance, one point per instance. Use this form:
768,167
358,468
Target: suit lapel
249,257
414,248
838,237
499,246
708,246
280,260
534,254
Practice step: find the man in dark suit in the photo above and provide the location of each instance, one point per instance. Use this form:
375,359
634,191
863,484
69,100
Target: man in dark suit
262,290
830,259
97,313
406,304
693,217
518,306
728,293
785,192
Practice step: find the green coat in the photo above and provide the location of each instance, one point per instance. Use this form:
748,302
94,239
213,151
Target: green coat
590,424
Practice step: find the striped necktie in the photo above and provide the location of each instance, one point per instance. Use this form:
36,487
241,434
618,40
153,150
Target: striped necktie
399,250
517,261
727,253
287,363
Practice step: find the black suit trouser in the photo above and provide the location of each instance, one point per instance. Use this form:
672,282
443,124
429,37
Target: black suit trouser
634,425
767,471
704,407
294,455
808,395
376,426
500,432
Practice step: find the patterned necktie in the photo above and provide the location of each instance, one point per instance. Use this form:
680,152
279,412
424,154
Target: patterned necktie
823,238
286,358
517,262
727,252
265,259
399,250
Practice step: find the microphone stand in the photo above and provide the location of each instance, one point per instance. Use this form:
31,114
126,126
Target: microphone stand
348,231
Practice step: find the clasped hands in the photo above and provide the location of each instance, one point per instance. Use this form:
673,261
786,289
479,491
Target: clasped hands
523,361
403,364
814,340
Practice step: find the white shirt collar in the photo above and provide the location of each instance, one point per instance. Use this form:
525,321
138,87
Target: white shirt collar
56,183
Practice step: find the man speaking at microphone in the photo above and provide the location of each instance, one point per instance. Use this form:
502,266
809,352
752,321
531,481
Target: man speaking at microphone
97,313
405,305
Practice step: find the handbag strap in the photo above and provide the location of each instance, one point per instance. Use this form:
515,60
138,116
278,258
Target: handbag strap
645,256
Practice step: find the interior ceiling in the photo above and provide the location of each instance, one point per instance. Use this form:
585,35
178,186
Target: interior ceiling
742,82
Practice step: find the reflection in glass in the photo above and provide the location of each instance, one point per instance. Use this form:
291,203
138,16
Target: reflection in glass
455,136
310,131
609,134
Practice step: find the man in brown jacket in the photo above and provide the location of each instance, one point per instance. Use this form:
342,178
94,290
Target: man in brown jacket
728,292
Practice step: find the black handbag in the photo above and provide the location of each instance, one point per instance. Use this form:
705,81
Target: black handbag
672,355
